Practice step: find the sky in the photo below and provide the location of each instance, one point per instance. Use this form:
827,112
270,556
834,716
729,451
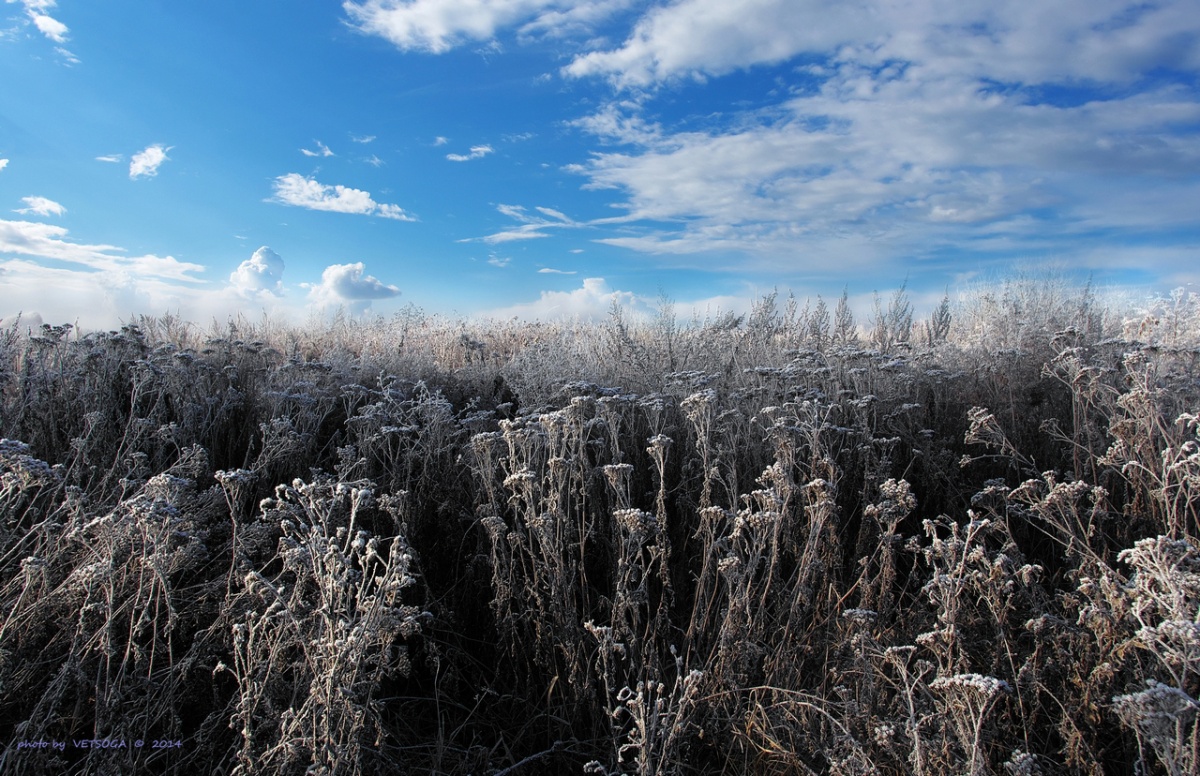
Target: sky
545,158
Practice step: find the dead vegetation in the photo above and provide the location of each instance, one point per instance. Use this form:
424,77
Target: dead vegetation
784,543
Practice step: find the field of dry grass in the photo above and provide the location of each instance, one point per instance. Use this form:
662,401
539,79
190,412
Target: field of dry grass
788,542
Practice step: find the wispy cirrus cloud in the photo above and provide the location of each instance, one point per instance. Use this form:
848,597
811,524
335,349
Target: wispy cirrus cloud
477,152
111,158
40,206
322,150
145,163
531,227
299,191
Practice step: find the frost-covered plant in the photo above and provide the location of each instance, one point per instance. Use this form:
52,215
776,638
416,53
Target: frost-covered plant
313,642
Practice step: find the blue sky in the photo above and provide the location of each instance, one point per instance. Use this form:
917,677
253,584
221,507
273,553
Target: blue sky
542,158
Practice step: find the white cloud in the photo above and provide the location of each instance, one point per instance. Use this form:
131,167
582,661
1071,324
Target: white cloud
40,206
364,139
296,190
553,271
907,131
712,37
47,25
374,161
440,141
258,276
322,150
531,227
50,27
3,163
145,163
477,152
499,261
105,299
96,285
111,158
1074,39
345,285
436,26
89,299
893,131
45,241
591,301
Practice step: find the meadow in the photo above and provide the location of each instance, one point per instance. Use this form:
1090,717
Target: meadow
789,542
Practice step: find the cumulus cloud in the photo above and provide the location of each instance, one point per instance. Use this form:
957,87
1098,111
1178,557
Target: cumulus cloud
299,191
477,152
258,276
345,285
40,206
145,163
591,301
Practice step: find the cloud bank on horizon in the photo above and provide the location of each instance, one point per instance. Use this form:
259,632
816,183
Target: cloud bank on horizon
696,147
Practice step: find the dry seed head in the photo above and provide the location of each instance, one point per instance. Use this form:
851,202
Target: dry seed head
730,567
659,442
523,478
976,684
494,526
635,522
617,472
1156,711
763,522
